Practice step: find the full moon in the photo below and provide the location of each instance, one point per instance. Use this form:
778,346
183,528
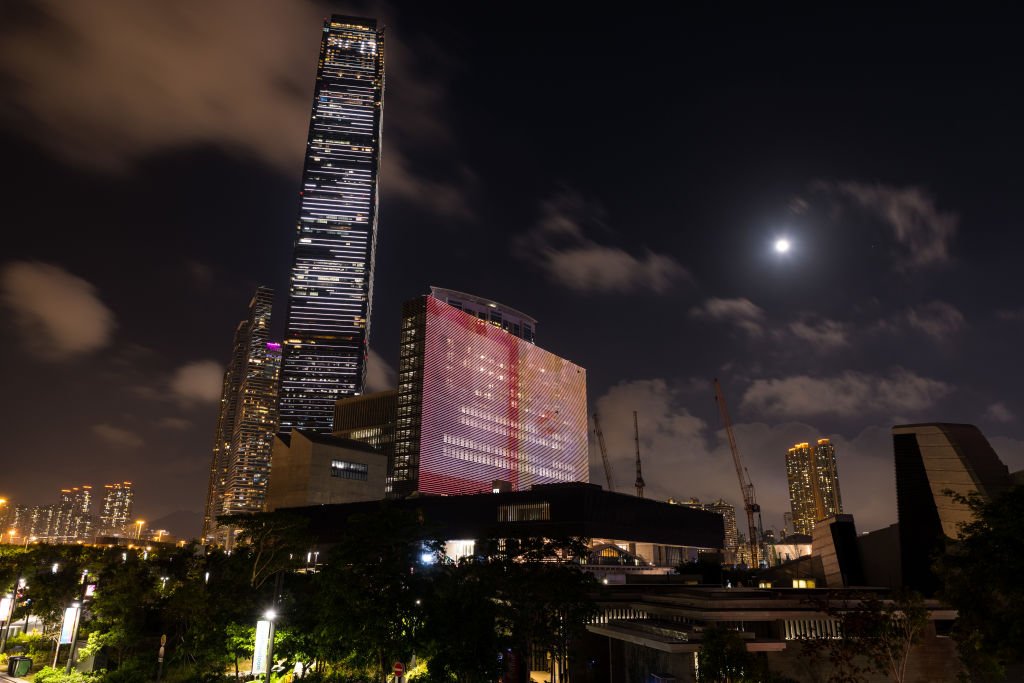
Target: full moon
782,245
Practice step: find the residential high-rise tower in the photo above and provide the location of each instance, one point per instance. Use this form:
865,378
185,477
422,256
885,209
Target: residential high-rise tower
247,419
331,288
813,484
116,507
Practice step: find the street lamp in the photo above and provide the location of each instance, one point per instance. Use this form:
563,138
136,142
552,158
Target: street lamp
138,530
270,615
12,533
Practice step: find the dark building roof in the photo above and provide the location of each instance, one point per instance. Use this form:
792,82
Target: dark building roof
573,509
329,440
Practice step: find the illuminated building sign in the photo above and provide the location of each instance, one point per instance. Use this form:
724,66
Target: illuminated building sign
494,407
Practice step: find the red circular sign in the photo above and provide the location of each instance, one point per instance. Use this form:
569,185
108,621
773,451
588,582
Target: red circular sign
399,669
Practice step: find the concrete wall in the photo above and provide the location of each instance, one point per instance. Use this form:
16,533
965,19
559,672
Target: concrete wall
300,474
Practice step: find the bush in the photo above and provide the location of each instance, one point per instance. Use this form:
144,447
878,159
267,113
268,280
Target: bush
48,674
33,645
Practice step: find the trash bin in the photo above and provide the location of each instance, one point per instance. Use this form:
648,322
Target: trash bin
11,663
23,665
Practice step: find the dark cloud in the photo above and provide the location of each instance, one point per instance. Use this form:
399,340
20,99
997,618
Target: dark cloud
849,394
199,381
59,314
740,312
821,333
569,256
998,412
937,319
118,436
125,80
175,423
919,227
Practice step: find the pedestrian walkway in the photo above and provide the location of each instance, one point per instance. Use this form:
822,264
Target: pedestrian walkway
12,679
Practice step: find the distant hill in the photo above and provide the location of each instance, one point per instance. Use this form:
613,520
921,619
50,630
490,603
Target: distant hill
183,524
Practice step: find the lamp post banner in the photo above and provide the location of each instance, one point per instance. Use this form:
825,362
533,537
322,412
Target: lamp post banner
67,629
259,653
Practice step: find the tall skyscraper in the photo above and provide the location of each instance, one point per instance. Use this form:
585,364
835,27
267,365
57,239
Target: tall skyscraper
247,419
116,508
331,288
813,484
479,404
932,460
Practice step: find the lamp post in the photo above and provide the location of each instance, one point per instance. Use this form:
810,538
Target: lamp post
270,615
138,529
11,534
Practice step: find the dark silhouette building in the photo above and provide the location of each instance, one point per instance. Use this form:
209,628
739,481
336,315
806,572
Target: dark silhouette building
933,461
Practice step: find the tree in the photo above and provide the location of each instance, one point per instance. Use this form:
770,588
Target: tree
373,587
461,615
874,636
272,540
544,600
723,657
982,579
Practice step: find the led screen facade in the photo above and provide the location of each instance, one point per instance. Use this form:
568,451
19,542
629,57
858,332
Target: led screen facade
496,407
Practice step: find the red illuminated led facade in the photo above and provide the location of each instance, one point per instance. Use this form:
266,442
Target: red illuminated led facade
478,404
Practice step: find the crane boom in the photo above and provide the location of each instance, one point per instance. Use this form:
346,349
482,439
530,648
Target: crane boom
639,475
604,453
746,486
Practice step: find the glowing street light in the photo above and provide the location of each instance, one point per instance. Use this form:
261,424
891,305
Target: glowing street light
270,615
138,530
782,245
12,533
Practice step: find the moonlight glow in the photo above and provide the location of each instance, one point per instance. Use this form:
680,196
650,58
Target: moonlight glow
782,245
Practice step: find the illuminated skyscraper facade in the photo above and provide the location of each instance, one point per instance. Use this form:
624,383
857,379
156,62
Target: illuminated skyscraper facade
478,404
813,484
72,519
331,288
116,508
247,419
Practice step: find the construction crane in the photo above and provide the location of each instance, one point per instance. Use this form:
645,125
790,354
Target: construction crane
639,475
604,453
746,486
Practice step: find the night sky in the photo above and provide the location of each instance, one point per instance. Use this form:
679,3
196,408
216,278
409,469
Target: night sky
620,177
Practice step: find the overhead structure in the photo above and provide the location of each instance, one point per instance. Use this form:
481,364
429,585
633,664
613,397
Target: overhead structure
604,453
639,474
746,486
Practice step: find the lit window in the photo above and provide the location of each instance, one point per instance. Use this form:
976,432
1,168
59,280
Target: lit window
349,470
